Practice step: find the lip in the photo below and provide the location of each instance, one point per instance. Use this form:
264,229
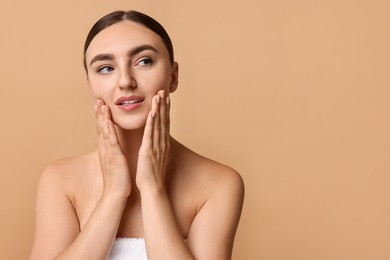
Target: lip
129,103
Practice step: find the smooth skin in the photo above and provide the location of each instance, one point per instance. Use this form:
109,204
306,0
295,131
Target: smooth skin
141,182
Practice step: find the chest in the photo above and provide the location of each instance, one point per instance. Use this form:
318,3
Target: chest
183,205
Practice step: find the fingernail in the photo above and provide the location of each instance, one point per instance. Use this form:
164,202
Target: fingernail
167,100
158,99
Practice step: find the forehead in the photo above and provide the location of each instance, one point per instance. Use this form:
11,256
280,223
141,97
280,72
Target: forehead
123,36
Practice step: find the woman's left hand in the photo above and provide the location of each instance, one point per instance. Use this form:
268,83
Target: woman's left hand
154,152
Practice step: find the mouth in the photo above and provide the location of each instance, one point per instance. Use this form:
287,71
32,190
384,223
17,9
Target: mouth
129,103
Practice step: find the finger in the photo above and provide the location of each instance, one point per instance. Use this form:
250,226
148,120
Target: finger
107,113
97,115
148,132
99,121
109,134
156,123
100,117
168,119
104,126
163,118
147,140
112,139
110,145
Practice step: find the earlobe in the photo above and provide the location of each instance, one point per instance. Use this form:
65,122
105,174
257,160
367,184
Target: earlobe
175,77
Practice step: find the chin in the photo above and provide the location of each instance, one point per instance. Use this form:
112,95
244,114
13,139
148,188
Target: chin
130,123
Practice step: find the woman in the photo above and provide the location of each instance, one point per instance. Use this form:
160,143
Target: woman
142,193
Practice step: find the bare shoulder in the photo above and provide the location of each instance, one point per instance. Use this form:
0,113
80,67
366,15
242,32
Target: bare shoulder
55,205
208,175
67,164
70,166
67,173
215,193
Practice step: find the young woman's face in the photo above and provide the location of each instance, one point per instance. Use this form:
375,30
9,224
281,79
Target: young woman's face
127,65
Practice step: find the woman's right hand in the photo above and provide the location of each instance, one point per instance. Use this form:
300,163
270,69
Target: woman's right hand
113,163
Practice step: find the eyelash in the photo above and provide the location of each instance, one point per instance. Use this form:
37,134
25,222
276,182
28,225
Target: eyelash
140,63
149,60
105,67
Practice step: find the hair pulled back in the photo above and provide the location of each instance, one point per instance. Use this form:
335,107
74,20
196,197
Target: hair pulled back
133,16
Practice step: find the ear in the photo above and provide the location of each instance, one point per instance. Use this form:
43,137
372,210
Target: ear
175,77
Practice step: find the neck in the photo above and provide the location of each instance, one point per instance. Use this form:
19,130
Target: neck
130,142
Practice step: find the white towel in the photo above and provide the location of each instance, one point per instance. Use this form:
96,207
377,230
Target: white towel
128,249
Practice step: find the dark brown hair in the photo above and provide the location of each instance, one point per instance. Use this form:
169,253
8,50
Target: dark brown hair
134,16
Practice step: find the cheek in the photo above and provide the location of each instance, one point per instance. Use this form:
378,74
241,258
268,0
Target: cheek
156,81
99,89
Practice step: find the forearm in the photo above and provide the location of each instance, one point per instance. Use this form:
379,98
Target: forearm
96,238
163,237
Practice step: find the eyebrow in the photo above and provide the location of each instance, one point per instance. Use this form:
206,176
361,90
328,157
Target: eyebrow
132,52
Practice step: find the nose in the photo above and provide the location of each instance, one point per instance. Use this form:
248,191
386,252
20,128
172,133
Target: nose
126,80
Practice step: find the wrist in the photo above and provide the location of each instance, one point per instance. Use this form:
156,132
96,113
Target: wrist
148,189
115,196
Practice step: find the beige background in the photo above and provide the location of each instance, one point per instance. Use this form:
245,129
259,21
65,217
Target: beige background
292,94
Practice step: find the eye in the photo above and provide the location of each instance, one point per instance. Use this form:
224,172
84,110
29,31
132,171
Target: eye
105,69
145,62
